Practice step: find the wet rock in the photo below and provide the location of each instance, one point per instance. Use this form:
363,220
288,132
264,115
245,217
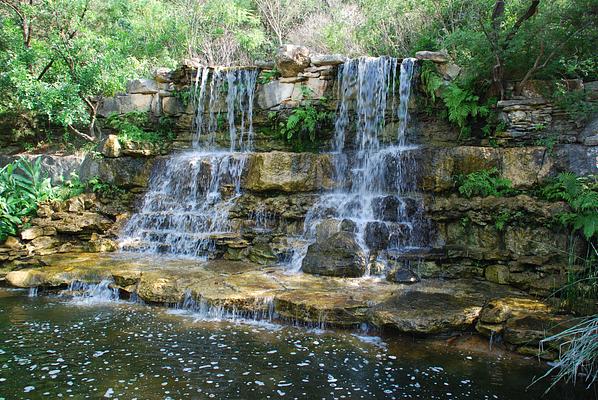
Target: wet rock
289,172
427,307
348,225
327,228
391,208
402,275
339,255
501,309
435,306
292,59
386,208
376,235
529,329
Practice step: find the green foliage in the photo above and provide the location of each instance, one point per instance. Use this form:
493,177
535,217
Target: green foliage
549,142
267,76
578,354
462,106
486,182
575,103
431,81
132,127
304,119
184,96
22,187
581,193
97,185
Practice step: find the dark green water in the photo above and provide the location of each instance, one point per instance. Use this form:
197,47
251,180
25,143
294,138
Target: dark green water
56,348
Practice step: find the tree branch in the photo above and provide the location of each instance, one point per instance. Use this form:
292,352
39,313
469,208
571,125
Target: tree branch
15,9
81,134
531,11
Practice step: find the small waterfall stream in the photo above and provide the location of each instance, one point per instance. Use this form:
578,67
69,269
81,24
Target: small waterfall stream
376,171
190,193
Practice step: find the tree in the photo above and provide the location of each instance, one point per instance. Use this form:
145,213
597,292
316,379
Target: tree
281,16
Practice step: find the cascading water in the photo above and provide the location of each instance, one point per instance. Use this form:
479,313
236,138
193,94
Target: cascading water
93,293
190,194
376,171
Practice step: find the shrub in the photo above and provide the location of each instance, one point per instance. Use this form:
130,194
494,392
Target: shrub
484,183
22,186
306,118
461,104
130,127
581,193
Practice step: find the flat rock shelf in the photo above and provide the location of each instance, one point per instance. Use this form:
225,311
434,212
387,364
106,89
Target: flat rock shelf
237,289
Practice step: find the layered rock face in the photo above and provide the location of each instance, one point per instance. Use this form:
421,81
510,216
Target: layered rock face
233,191
83,223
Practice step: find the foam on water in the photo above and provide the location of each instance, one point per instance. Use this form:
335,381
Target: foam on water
84,293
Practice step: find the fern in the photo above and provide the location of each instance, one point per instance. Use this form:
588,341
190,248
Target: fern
485,182
461,104
582,196
430,80
304,119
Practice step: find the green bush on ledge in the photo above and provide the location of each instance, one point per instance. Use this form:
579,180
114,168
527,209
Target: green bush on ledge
486,182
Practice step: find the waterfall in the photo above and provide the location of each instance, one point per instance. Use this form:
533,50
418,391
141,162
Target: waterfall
190,193
93,293
377,173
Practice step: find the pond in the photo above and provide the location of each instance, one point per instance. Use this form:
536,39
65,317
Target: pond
59,347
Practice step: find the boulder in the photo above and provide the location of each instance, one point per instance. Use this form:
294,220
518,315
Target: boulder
436,56
289,172
327,59
123,104
402,275
111,147
327,228
262,64
13,243
163,75
172,106
32,233
449,71
142,86
292,59
274,93
376,235
591,141
497,273
339,255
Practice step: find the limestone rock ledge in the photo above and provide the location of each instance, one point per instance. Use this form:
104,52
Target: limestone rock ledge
425,308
